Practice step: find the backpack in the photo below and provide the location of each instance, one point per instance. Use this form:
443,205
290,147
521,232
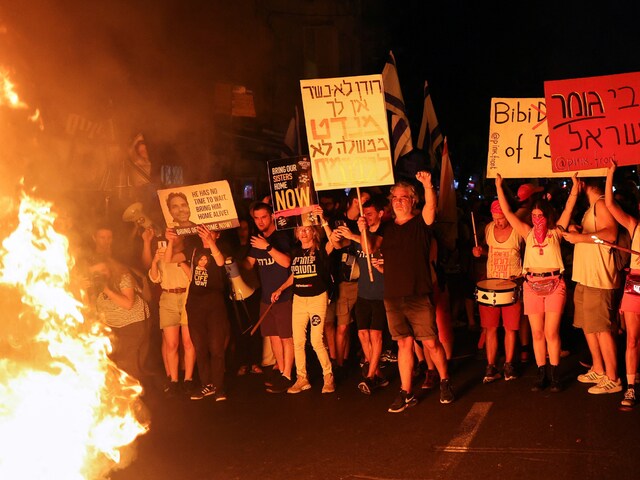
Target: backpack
620,257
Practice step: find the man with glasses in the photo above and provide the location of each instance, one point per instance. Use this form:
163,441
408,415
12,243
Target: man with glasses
405,249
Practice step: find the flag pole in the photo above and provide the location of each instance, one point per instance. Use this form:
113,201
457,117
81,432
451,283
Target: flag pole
365,240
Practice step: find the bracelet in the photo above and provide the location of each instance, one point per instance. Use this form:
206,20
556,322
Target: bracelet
325,224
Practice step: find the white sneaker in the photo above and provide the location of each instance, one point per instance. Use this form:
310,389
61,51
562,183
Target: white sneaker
590,377
301,385
606,386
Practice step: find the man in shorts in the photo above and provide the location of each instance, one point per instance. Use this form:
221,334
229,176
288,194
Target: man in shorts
270,251
408,286
504,255
595,295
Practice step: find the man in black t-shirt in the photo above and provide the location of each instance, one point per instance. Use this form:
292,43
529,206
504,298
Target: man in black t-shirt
407,286
270,251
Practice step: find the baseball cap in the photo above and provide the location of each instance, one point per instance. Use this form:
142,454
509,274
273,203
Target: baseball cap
526,190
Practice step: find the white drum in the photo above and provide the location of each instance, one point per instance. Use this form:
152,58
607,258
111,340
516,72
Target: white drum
496,292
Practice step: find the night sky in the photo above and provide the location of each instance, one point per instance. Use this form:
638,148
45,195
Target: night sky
154,62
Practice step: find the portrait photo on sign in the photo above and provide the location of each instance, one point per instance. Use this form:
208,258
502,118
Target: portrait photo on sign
209,204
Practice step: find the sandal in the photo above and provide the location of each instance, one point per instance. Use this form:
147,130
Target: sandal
255,369
243,370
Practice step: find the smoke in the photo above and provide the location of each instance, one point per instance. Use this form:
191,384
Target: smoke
101,72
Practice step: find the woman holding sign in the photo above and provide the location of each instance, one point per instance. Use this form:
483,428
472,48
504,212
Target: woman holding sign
311,279
544,290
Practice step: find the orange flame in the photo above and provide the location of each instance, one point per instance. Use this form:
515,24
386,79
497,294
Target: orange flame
66,411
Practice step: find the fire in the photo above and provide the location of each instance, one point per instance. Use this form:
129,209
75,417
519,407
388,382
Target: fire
9,97
66,410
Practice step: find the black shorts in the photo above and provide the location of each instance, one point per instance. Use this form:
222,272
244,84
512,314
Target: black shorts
370,314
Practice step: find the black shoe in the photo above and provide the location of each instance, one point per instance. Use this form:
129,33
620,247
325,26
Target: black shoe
509,372
280,385
380,382
446,393
491,374
541,382
555,386
271,375
220,396
172,389
205,391
366,386
187,387
403,401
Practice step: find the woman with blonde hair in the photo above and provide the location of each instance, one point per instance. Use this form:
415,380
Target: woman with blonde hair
310,279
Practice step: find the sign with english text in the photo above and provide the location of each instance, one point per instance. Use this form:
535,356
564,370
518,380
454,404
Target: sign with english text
292,193
593,120
210,204
519,140
346,124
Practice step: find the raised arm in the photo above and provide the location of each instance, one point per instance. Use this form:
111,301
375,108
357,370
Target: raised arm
623,218
209,239
565,218
281,258
429,209
521,227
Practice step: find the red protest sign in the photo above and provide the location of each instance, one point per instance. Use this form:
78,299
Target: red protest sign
593,120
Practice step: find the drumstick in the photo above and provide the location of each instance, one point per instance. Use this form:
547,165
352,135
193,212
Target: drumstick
253,330
473,224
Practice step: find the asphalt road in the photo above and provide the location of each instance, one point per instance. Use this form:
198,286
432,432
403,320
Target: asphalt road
497,431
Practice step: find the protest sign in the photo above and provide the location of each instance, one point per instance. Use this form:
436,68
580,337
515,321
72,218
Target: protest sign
292,193
346,124
519,140
593,120
210,204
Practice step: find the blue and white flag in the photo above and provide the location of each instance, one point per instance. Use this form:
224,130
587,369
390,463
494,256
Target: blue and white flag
394,103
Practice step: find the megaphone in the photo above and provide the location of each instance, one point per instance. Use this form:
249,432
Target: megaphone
134,213
239,289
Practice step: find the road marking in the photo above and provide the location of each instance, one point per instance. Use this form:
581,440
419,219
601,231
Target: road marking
463,438
524,450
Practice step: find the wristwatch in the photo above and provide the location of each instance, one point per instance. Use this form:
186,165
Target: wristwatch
269,247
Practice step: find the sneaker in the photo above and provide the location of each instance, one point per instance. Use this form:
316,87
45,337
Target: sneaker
629,399
172,389
591,377
271,375
430,380
403,401
220,396
329,385
491,374
606,386
380,382
446,393
367,386
279,385
203,392
301,385
187,387
509,372
388,356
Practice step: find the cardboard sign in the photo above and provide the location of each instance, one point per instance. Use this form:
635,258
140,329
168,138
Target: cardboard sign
347,131
210,204
593,121
519,140
292,193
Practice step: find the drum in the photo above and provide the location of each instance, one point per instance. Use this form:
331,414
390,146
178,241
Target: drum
496,292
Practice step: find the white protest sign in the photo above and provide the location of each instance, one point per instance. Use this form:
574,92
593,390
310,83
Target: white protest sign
346,124
519,140
209,204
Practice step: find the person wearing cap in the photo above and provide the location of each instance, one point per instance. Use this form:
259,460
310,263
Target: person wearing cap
526,196
503,249
544,290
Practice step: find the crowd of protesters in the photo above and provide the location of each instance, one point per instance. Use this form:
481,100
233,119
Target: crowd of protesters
372,281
